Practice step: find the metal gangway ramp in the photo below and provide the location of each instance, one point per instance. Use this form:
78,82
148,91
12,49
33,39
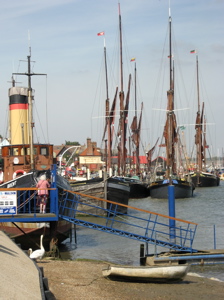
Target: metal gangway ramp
138,224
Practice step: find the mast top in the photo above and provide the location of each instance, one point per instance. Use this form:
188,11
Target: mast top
169,12
29,43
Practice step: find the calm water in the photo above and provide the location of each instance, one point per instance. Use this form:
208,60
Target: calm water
206,208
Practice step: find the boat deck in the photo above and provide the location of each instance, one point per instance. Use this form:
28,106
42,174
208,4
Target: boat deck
29,217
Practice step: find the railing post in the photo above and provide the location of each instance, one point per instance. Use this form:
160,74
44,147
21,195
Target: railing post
53,193
214,230
172,223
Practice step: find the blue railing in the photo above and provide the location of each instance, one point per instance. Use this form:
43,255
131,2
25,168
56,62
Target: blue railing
138,224
26,206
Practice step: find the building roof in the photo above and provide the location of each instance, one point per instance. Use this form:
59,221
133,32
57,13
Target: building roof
96,152
142,159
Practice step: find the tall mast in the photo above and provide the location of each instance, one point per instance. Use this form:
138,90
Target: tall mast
137,146
136,127
135,92
121,162
30,107
108,150
169,131
199,121
198,90
30,119
121,53
122,151
170,49
199,158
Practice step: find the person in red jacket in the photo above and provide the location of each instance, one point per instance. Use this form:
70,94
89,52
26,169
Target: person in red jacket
43,185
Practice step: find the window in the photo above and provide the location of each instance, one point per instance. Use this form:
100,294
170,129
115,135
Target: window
44,151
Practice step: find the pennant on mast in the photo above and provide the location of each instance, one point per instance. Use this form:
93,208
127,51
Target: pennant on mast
100,33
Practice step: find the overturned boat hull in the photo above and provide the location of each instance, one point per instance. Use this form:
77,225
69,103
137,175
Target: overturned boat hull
150,274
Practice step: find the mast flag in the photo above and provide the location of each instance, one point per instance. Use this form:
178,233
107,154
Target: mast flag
100,33
193,51
132,59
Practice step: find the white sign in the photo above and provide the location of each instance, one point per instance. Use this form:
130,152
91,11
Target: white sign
8,203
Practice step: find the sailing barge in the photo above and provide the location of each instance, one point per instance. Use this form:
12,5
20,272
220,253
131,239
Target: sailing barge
183,185
200,177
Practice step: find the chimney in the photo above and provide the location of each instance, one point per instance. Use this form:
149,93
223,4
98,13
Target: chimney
89,147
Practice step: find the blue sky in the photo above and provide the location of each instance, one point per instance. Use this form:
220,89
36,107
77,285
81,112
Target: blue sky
66,47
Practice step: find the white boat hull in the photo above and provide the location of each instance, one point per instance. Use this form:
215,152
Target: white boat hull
154,273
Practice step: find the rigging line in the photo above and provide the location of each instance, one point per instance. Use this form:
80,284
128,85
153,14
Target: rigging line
48,140
6,123
41,127
98,94
158,97
98,87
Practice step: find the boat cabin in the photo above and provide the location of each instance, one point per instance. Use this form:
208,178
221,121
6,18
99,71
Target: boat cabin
17,159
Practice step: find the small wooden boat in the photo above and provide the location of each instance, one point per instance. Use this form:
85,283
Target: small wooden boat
147,273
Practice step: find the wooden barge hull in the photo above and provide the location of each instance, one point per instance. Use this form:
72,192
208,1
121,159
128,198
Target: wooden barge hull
159,189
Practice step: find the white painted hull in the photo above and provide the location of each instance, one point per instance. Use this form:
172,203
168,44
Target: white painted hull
154,273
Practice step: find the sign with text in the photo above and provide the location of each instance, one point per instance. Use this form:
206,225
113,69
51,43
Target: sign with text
8,203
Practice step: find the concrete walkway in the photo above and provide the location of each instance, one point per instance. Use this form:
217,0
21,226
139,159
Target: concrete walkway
20,277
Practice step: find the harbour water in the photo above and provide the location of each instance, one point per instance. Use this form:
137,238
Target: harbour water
206,209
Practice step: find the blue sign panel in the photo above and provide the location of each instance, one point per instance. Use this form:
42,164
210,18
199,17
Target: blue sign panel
8,203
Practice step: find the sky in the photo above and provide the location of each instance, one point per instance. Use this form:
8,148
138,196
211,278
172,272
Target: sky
69,101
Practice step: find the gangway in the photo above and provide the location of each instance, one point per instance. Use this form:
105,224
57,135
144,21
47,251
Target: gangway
138,224
103,215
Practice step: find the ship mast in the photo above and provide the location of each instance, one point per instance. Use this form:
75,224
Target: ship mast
138,129
170,133
198,122
122,151
107,108
30,107
121,161
109,113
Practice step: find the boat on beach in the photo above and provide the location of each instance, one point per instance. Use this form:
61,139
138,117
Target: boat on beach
146,273
158,187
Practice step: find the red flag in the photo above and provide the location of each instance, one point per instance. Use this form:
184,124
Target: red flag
100,33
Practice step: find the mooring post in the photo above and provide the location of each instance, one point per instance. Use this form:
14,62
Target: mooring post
142,254
214,230
75,234
172,223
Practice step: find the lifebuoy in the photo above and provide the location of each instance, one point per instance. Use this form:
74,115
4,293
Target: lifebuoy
18,172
